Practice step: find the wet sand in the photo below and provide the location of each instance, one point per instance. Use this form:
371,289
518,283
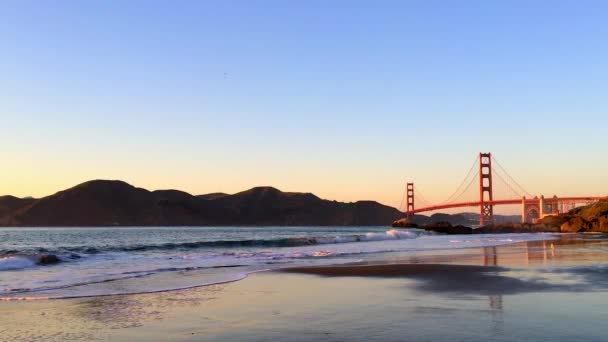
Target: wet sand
544,290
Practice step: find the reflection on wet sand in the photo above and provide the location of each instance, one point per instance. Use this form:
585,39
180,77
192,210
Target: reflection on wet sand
563,250
494,271
88,318
569,249
471,294
131,311
490,258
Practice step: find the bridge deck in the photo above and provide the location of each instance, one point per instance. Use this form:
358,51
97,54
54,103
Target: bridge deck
503,202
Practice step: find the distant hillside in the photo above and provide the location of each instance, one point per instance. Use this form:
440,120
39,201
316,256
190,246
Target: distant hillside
11,204
212,196
269,206
108,203
116,203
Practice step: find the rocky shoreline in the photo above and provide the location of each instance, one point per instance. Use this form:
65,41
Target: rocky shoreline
592,218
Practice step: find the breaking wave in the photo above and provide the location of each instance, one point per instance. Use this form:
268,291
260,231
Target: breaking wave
9,262
393,234
108,262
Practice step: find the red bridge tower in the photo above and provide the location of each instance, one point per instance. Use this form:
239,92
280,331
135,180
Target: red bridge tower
485,189
410,200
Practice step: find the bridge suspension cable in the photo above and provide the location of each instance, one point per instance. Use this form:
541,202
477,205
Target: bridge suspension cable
467,191
521,191
514,192
401,208
460,190
485,175
420,199
467,188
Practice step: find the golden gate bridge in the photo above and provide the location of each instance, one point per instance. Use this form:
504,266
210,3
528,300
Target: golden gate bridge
480,180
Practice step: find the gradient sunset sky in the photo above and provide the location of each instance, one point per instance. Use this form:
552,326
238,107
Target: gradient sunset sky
345,99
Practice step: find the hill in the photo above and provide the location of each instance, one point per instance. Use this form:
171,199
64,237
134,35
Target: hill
10,204
116,203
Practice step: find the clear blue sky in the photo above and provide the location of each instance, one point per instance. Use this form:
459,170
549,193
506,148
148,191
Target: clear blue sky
346,99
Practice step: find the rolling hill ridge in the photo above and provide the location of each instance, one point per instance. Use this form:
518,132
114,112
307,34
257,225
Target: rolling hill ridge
116,203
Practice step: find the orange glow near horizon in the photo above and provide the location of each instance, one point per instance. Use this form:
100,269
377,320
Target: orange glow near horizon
41,179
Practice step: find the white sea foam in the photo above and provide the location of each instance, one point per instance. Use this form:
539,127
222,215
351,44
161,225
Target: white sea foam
158,269
393,234
15,263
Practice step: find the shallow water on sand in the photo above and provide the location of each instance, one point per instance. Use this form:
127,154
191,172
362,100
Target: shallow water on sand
39,263
537,291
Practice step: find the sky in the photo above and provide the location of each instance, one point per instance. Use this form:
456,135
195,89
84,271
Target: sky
345,99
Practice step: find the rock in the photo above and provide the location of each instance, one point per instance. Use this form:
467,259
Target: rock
404,223
590,218
48,259
554,220
603,224
506,228
575,225
447,228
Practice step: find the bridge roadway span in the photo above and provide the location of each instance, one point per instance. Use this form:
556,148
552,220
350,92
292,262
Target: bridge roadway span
504,202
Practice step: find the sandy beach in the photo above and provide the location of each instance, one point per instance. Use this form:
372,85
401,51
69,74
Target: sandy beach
512,292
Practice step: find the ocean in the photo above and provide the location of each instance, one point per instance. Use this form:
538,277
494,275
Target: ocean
46,263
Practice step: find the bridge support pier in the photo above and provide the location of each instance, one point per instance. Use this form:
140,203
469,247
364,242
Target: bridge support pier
541,207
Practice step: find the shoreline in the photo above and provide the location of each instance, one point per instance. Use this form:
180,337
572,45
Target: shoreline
375,258
487,288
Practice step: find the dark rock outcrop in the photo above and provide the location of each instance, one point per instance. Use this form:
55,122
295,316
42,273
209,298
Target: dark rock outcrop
448,228
590,218
505,228
404,223
48,259
463,219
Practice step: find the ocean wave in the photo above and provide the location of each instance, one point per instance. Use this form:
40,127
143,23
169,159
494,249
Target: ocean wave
13,262
15,293
132,272
393,234
229,278
10,263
